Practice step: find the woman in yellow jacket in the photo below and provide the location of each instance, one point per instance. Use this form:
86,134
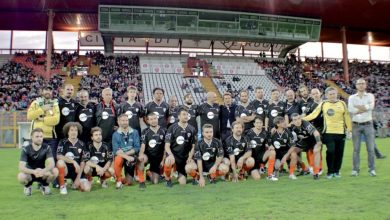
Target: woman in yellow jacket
45,113
337,123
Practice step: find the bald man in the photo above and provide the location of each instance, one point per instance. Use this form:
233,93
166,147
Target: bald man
209,113
291,105
67,107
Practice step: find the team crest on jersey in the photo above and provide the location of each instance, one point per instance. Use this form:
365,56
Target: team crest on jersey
285,140
304,109
104,154
188,135
136,109
236,151
73,105
259,110
164,109
161,136
213,149
243,144
90,110
250,111
79,150
172,120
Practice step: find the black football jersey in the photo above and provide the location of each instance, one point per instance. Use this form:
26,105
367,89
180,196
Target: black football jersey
305,105
154,141
134,112
210,115
85,115
242,111
79,151
304,134
162,112
275,110
281,141
192,114
292,108
104,154
35,159
208,153
67,114
261,108
237,147
181,140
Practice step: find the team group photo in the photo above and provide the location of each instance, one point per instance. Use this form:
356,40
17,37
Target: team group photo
202,110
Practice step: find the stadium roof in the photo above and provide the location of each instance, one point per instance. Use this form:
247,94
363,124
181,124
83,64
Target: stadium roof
359,16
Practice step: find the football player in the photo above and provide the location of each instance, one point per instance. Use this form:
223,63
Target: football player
32,164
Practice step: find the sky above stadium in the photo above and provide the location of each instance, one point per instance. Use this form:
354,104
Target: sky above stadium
68,41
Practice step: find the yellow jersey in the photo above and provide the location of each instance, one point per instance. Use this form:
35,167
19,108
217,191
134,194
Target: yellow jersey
336,117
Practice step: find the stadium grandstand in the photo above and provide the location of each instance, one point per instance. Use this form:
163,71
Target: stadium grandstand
187,48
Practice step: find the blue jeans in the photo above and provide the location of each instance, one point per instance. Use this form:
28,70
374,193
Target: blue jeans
369,135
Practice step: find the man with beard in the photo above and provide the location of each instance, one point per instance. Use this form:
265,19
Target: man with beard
180,142
228,110
275,108
67,107
192,111
305,104
85,115
152,147
260,104
291,105
245,113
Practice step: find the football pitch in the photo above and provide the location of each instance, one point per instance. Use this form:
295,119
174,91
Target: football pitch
362,197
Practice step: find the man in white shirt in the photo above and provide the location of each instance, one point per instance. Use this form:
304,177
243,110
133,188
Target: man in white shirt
361,105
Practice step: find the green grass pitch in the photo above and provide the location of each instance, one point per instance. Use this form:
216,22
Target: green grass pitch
362,197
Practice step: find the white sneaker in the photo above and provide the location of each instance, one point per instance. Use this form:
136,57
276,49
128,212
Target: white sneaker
292,177
104,184
119,185
311,170
27,191
45,190
272,178
372,173
354,173
63,190
262,170
320,173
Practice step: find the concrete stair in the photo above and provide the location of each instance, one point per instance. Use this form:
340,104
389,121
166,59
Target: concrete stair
209,86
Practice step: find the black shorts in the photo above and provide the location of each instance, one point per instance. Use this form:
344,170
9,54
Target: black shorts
72,172
154,163
258,159
180,166
129,168
280,153
306,145
37,179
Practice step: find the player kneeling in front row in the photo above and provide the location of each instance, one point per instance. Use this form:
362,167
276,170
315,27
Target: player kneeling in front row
125,145
100,159
240,154
179,147
71,155
257,137
209,155
152,147
279,142
307,138
32,164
